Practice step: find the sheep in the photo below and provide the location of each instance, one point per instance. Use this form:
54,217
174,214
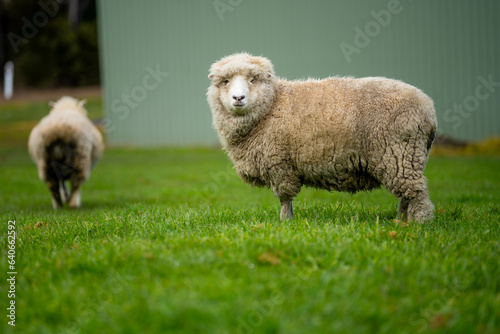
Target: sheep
339,133
65,145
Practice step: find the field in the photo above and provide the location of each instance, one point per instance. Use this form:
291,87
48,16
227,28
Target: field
171,241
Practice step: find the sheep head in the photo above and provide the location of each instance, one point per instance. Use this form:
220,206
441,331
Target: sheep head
242,83
68,103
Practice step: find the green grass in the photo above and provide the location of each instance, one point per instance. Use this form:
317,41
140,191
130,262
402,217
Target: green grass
171,241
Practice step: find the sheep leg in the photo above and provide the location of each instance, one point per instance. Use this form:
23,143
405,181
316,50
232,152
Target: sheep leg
76,188
403,209
63,191
55,195
286,189
81,173
286,209
75,198
420,208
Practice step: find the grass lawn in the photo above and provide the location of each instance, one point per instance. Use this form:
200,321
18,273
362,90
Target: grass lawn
171,241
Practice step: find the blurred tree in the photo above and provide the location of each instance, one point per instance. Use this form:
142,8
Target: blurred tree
49,47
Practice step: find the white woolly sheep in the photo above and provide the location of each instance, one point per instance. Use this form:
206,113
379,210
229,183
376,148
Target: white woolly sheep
65,145
339,133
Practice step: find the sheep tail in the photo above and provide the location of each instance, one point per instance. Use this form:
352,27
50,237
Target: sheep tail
58,152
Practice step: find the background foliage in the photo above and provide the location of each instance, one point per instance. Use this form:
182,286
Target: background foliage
59,55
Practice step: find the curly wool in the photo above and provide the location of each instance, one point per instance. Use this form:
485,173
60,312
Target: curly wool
339,133
65,145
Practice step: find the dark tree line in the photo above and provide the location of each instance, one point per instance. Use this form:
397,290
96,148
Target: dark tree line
52,43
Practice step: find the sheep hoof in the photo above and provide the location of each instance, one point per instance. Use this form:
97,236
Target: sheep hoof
420,209
423,217
73,205
75,199
56,204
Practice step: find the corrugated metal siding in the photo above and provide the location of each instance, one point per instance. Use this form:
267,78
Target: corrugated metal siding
442,47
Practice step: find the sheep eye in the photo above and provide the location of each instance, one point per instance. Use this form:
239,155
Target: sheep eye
253,80
226,82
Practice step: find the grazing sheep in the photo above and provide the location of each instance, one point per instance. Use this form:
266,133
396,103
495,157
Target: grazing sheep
342,134
65,145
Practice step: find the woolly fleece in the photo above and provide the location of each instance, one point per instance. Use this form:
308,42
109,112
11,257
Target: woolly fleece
65,145
339,133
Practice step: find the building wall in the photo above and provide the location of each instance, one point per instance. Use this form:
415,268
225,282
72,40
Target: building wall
447,48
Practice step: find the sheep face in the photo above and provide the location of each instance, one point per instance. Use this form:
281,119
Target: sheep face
242,84
236,94
241,93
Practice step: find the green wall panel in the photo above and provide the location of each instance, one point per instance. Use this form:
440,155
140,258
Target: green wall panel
447,48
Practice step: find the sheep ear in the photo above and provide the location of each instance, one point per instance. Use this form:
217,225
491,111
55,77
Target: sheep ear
211,76
81,103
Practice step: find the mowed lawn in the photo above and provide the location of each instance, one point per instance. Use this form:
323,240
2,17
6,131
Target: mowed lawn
171,241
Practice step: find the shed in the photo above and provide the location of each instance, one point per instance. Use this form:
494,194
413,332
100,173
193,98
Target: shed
155,57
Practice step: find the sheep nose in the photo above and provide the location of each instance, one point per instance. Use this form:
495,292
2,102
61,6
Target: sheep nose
238,98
